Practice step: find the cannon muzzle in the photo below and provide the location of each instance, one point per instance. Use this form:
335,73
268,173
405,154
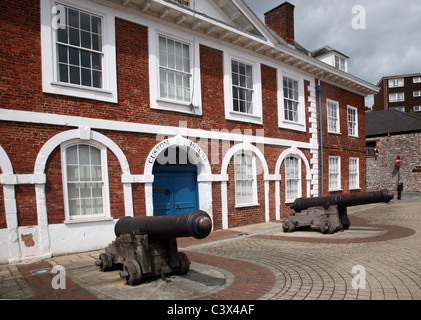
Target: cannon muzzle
197,224
343,200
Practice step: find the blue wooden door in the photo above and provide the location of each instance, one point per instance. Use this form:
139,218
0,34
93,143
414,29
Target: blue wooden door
175,190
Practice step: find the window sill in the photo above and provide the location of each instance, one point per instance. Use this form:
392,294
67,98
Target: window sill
80,87
246,205
72,90
336,133
244,117
87,220
177,106
335,190
355,189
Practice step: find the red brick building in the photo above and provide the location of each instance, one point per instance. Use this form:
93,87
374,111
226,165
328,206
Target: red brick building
130,108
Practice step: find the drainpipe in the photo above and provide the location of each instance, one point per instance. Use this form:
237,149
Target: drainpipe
319,92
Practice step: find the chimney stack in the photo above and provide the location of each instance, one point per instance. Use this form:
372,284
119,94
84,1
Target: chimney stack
281,21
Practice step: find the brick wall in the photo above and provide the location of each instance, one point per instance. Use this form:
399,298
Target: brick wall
341,144
21,89
383,173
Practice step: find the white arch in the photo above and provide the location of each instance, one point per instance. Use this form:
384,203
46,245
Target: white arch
245,146
84,134
10,210
287,153
204,173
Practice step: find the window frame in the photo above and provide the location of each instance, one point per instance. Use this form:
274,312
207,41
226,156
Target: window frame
337,122
106,215
416,80
396,83
300,124
341,63
417,93
254,201
357,174
194,106
298,179
336,187
417,108
256,117
355,135
49,56
396,96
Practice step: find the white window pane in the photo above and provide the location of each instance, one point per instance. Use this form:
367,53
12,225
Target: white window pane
86,207
72,173
84,154
85,173
73,190
97,190
95,156
74,207
71,155
97,206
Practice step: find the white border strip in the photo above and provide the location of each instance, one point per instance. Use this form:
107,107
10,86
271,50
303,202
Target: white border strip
94,123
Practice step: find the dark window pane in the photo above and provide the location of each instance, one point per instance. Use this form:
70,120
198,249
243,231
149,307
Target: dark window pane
74,75
96,42
74,56
74,37
63,73
85,59
85,39
86,77
96,25
96,61
62,54
85,21
96,79
62,35
73,18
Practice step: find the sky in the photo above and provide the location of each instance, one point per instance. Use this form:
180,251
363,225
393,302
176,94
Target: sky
388,44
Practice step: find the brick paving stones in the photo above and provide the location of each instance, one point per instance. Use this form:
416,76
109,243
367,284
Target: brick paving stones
260,262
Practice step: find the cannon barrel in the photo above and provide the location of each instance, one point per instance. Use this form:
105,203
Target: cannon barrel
344,200
197,224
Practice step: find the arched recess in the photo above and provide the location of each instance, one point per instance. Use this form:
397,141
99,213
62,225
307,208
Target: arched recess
204,172
10,209
84,134
289,153
245,146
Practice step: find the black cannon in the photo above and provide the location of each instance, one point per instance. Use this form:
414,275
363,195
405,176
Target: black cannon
147,246
329,213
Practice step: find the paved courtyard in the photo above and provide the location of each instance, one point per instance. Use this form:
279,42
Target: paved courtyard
378,258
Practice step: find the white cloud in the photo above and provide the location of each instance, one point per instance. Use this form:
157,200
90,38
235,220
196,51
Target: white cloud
390,44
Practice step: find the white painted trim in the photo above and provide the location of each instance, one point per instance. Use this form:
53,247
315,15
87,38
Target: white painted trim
48,54
94,123
104,173
204,173
154,85
230,114
11,214
356,121
300,125
224,191
293,152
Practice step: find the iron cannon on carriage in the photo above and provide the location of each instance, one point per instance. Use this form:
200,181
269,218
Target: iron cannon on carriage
329,214
147,246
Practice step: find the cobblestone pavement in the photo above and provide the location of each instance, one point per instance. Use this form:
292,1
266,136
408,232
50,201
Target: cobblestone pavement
313,269
260,262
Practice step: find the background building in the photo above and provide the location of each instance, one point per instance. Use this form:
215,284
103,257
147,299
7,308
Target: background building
400,92
393,133
111,109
